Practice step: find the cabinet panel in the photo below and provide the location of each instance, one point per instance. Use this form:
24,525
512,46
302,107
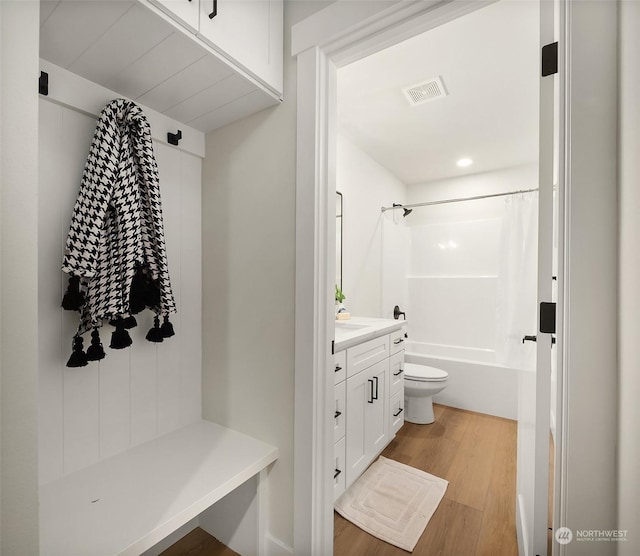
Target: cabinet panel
359,395
339,475
185,12
364,355
249,32
396,341
340,368
340,415
396,412
396,373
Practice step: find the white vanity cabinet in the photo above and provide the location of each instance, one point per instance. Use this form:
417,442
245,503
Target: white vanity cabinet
369,373
339,423
249,32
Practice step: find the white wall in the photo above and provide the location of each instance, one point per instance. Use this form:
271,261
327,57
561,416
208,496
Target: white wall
133,395
629,295
248,214
18,277
366,186
591,353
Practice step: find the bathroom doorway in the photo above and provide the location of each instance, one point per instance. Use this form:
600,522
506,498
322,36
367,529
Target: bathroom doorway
323,146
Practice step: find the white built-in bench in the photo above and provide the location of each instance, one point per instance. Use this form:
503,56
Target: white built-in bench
126,504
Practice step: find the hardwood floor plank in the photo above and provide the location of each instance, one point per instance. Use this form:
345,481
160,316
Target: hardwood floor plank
498,531
198,543
470,472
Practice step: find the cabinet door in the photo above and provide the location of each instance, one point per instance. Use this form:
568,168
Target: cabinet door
339,481
249,32
377,423
339,415
359,398
185,12
396,412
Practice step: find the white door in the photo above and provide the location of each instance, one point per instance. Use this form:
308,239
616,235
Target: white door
535,384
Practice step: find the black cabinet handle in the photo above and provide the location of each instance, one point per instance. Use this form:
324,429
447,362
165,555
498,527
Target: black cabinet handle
338,368
371,392
335,475
337,414
529,339
376,379
400,410
214,13
398,373
398,341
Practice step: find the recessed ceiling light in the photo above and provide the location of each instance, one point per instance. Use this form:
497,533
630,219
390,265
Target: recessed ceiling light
464,162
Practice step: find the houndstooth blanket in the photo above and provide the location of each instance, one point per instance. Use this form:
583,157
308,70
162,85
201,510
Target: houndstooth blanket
116,228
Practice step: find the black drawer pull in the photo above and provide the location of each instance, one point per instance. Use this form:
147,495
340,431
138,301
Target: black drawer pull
399,412
398,341
337,414
214,13
398,373
338,368
372,398
335,475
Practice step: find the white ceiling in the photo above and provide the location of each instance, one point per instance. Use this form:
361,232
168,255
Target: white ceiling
489,64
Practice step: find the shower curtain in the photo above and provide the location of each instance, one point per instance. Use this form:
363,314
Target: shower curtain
517,281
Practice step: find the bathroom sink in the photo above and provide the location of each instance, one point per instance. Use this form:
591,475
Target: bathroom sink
350,325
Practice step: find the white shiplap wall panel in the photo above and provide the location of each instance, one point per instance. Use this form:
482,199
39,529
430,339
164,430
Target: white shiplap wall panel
191,292
133,395
50,281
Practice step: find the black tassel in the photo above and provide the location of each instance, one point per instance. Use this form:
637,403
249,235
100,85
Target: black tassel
167,328
155,334
138,292
153,294
130,322
73,298
78,356
120,338
95,352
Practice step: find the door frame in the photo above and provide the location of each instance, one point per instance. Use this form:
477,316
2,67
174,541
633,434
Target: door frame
342,33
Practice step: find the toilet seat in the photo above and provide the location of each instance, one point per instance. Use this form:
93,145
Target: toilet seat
422,373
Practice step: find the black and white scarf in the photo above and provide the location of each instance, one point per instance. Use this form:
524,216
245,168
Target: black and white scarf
115,250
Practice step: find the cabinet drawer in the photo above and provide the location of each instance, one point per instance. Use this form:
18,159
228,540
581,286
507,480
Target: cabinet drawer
362,356
340,368
396,412
396,341
396,373
339,415
339,473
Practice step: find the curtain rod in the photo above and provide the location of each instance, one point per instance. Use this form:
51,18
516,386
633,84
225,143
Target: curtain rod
446,201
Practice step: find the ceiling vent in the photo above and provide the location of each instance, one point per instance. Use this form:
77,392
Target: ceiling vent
425,91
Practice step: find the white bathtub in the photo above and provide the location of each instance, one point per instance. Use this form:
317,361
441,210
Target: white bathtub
476,382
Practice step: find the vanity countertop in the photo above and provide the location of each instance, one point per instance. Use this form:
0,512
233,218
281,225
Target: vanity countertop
360,329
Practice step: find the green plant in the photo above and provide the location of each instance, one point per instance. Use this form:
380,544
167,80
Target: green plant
339,295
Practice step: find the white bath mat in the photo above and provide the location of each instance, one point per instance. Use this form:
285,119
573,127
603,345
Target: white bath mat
393,502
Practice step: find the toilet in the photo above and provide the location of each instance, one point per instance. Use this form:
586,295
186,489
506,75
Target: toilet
421,383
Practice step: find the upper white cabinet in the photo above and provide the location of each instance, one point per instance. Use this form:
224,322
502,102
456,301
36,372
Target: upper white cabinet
249,32
185,12
170,56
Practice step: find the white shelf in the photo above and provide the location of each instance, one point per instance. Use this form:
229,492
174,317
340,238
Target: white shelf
126,504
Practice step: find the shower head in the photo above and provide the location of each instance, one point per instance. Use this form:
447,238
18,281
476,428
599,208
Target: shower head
406,211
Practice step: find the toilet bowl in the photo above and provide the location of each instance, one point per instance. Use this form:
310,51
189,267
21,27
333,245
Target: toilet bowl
420,384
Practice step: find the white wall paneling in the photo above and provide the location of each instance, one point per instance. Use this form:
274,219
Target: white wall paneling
134,395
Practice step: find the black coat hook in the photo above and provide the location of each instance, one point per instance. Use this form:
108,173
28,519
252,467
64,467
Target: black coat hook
43,83
173,138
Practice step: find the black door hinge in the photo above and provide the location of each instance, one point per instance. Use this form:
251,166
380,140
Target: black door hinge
550,59
547,317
